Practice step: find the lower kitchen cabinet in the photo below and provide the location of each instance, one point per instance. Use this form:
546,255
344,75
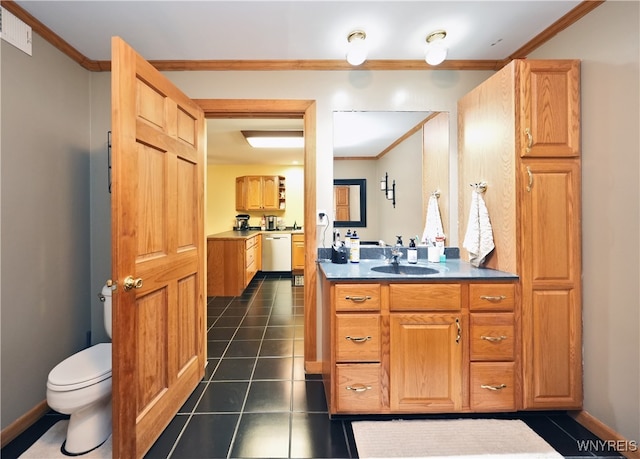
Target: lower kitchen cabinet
231,264
420,347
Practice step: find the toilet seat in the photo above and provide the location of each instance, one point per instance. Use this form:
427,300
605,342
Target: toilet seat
87,367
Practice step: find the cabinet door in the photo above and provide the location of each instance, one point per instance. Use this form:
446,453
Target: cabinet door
270,193
253,192
241,203
551,298
550,98
425,362
297,252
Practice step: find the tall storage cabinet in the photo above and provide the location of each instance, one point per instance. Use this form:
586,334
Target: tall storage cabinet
520,133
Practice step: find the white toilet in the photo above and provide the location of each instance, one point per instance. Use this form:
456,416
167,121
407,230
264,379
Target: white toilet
81,387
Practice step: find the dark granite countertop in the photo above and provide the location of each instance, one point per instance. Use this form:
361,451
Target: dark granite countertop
452,270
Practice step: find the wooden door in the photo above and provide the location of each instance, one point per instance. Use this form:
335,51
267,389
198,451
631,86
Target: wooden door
341,200
425,362
158,239
551,285
550,98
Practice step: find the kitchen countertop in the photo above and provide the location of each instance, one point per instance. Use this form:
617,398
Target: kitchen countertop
246,234
451,270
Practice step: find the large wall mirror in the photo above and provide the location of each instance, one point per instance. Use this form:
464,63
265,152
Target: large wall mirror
412,147
350,203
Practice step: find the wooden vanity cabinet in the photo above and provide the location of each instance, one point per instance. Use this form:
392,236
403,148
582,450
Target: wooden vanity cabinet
419,347
531,164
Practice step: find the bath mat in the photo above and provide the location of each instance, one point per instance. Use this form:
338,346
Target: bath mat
48,446
450,438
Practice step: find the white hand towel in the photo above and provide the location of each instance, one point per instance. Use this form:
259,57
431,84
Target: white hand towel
433,221
479,237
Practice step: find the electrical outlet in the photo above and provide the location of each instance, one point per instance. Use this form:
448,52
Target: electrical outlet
323,218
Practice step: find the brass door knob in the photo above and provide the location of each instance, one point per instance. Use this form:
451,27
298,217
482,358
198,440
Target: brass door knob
130,282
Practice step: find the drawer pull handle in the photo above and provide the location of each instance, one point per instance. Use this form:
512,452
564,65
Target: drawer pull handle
493,339
357,299
500,387
359,388
360,339
493,299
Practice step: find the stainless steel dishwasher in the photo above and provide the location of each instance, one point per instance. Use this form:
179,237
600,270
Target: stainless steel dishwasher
276,252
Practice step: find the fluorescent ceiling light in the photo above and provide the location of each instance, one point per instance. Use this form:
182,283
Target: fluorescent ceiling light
274,139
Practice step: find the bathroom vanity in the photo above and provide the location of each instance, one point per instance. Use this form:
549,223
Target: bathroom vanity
445,341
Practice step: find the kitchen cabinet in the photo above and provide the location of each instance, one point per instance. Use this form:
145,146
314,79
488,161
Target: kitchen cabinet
297,252
232,263
391,347
529,156
260,192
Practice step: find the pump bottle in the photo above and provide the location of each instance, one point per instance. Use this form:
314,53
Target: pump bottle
412,252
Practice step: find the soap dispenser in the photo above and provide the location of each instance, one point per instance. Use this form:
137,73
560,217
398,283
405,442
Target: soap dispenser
412,252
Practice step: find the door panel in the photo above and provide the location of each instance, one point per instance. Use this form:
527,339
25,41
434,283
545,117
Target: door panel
158,237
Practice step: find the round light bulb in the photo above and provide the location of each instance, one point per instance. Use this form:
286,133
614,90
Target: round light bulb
436,53
357,52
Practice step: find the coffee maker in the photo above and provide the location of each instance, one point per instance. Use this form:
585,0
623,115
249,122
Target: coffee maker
242,222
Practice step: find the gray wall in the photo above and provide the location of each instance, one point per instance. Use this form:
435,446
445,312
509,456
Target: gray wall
46,311
34,338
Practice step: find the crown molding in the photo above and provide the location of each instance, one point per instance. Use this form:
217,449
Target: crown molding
330,64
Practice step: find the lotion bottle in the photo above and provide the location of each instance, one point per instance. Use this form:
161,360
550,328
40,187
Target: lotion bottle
355,248
412,252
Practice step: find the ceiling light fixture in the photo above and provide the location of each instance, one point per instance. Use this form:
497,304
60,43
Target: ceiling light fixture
274,139
436,51
357,50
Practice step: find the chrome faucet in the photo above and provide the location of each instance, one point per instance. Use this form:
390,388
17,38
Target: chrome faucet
396,253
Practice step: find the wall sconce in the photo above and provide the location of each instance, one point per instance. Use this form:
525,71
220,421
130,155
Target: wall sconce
357,48
389,193
436,51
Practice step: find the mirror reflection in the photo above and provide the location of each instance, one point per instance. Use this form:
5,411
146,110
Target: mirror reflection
413,149
349,203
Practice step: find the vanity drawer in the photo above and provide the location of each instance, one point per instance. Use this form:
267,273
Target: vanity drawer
492,386
492,336
358,388
424,297
357,297
492,297
357,338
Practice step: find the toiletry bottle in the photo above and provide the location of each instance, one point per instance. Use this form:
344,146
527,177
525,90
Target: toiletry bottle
347,239
355,248
412,252
440,243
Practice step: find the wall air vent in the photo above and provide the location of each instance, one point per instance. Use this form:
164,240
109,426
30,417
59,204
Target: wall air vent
14,31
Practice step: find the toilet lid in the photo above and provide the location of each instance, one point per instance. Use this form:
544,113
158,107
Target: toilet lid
86,367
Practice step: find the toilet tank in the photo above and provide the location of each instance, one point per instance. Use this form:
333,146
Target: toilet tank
106,304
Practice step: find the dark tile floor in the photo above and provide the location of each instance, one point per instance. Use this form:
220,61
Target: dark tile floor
255,400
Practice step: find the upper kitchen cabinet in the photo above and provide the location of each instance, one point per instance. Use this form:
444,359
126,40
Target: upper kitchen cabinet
260,192
519,132
550,108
